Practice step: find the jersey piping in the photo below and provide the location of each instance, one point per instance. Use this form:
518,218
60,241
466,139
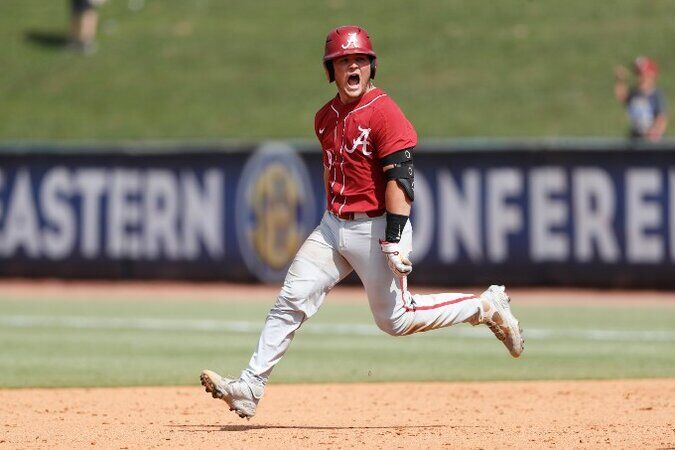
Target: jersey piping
342,144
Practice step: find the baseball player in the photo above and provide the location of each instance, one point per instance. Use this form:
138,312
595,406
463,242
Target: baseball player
368,172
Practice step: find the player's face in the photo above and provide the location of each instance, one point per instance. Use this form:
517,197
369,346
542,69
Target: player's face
352,76
646,80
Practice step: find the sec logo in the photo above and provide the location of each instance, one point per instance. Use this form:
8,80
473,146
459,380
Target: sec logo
275,210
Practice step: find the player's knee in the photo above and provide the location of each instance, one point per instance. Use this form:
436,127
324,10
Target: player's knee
392,328
289,301
300,297
294,294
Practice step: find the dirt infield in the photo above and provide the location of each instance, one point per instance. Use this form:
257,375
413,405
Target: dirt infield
543,414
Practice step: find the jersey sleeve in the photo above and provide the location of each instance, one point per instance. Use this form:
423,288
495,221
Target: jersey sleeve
317,123
319,119
632,92
392,130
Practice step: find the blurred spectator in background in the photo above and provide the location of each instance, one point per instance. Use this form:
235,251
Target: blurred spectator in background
645,103
84,21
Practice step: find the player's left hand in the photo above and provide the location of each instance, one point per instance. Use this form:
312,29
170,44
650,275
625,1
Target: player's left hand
398,263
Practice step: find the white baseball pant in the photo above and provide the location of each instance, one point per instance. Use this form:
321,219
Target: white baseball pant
330,253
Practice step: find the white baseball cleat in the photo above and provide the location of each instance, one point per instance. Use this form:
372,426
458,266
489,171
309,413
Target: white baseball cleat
239,395
498,317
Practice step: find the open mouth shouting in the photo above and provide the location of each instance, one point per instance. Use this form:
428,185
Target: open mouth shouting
354,80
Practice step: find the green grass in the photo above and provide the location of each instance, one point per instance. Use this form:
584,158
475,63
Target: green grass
57,353
222,69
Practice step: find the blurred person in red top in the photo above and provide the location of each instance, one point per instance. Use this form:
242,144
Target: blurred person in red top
644,102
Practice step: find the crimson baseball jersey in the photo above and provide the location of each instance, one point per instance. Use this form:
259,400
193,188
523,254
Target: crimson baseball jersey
354,137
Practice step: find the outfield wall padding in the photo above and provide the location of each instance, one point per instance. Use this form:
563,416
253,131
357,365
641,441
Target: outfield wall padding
528,213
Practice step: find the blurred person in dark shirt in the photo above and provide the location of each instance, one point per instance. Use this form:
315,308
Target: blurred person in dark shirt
644,101
84,21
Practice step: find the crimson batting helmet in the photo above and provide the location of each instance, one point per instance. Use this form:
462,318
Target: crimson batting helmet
348,40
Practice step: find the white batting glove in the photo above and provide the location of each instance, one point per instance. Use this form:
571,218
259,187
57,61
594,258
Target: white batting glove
398,263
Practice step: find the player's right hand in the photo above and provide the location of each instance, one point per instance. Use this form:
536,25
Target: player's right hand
399,264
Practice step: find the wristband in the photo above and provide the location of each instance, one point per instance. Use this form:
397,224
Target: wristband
395,225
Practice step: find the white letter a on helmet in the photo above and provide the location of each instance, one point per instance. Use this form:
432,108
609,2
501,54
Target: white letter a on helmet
352,41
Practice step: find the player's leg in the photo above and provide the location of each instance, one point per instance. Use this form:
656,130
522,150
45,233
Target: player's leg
398,312
317,267
392,306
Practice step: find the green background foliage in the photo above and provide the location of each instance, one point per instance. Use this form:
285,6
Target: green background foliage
233,69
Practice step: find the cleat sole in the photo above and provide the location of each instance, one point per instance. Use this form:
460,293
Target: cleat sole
210,387
513,325
509,323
